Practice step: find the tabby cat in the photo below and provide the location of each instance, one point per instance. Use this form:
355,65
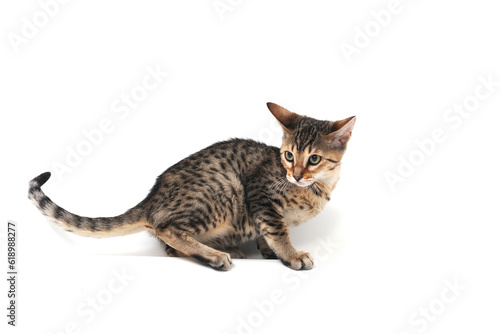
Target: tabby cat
229,193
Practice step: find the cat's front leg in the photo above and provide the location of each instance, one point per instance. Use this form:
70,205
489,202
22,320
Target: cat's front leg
276,236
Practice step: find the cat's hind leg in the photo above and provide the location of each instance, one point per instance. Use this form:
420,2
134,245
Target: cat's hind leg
234,252
265,250
172,252
182,242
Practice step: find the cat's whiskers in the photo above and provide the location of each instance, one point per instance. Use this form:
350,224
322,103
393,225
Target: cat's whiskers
285,185
274,186
278,186
320,188
316,187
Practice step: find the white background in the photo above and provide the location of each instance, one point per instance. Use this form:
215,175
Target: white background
383,255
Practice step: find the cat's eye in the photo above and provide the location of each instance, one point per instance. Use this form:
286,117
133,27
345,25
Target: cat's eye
314,159
289,156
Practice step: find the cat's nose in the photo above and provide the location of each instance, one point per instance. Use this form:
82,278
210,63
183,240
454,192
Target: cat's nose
297,177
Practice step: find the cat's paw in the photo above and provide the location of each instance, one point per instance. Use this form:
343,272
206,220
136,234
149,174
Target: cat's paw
221,261
218,260
300,261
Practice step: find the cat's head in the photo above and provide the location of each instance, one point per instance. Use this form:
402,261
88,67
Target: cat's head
311,149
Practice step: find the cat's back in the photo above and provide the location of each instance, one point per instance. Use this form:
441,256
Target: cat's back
237,156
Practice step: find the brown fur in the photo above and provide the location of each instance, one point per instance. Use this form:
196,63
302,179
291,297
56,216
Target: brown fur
231,192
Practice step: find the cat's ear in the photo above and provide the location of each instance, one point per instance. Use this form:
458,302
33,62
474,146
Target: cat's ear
287,119
341,132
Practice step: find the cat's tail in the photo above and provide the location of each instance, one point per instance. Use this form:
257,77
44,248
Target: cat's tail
132,221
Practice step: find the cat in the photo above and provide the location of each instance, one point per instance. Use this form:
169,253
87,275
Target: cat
230,192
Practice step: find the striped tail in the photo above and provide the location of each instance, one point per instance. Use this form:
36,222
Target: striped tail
132,221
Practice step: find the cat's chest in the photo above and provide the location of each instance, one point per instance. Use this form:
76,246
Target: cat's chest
302,204
302,208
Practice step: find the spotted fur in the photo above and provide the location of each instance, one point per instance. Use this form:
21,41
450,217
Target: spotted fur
230,192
